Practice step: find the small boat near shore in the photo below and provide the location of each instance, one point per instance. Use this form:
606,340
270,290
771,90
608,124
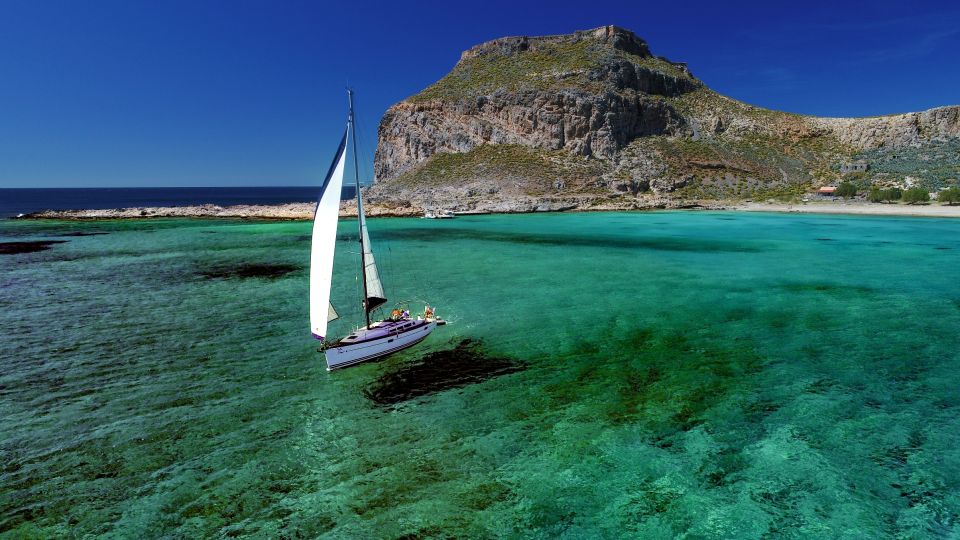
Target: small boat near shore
438,214
375,339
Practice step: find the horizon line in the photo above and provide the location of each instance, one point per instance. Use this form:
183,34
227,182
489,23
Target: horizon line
173,187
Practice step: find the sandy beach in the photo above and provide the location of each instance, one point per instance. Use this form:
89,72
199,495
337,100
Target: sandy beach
854,208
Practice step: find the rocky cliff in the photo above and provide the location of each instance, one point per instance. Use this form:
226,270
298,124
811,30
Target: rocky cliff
593,119
895,131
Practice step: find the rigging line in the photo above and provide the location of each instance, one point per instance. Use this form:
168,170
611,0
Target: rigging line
363,145
389,256
356,173
362,138
366,170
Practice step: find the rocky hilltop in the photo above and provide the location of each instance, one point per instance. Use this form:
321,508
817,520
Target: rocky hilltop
594,119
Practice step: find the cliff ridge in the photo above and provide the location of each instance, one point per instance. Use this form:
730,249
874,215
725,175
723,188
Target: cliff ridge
595,118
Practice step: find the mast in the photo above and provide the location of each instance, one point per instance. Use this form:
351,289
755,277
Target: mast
356,175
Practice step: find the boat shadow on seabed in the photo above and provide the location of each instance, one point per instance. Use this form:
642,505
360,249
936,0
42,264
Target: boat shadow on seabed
465,364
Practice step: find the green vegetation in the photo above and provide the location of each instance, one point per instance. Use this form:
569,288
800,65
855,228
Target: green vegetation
547,65
857,178
777,138
878,195
539,69
949,196
750,168
532,170
936,163
847,190
916,195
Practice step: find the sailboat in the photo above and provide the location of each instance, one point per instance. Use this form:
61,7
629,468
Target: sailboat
374,340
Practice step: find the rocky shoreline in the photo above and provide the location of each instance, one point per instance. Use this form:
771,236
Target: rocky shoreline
304,211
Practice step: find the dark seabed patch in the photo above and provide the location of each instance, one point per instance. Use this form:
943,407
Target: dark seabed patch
269,271
825,239
943,248
81,233
826,287
13,248
341,237
453,234
463,365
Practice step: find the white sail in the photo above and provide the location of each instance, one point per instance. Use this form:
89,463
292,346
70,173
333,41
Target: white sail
375,296
323,244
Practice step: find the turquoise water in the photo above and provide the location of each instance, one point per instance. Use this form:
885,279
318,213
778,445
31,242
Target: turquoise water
713,375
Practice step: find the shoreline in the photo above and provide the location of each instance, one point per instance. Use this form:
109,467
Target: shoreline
304,211
854,209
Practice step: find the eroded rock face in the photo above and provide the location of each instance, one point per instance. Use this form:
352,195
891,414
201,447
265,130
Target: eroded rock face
577,122
614,36
895,131
580,121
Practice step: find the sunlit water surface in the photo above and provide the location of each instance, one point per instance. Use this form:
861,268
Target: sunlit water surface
603,375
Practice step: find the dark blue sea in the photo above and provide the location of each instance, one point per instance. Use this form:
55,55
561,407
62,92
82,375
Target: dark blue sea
24,201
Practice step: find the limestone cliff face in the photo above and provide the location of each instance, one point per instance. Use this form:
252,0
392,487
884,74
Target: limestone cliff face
580,123
595,115
895,131
584,109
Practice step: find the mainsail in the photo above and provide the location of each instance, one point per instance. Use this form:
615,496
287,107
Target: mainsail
324,242
376,339
375,297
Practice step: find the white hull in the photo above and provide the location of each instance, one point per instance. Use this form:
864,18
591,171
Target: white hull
348,355
441,215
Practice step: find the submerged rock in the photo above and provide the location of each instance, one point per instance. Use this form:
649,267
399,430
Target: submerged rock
13,248
82,233
269,271
463,365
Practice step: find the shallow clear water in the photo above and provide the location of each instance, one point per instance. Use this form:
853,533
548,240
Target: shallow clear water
642,374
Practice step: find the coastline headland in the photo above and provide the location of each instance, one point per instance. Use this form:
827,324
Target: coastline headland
287,211
304,211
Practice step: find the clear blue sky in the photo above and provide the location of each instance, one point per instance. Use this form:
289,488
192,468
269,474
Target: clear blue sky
178,93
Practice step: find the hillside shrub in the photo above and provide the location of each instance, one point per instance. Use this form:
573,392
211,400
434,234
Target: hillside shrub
916,195
855,177
846,190
949,196
878,195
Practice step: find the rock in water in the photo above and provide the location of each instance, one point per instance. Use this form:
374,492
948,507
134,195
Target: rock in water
13,248
461,366
251,270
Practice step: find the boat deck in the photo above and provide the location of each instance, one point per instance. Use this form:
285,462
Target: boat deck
379,330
